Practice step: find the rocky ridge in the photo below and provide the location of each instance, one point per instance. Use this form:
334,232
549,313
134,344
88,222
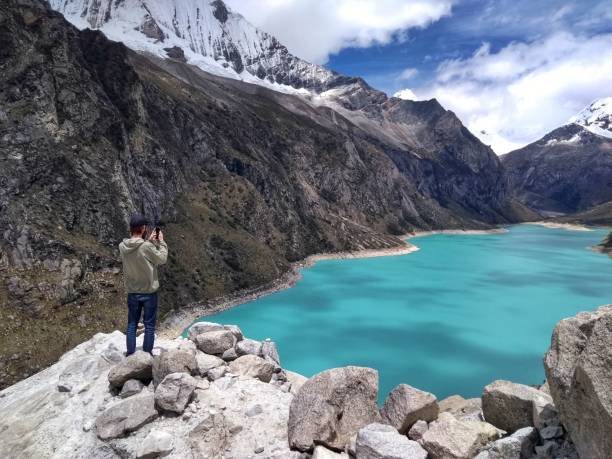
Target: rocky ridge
184,402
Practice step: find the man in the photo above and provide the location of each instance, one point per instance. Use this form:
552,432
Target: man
140,261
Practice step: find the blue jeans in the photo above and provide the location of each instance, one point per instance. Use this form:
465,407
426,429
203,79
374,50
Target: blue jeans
137,302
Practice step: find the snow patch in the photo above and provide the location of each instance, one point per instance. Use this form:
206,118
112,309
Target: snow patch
597,117
406,94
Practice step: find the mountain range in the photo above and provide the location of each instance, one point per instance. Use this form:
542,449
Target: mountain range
252,158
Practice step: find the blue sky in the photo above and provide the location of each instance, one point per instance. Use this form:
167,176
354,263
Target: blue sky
512,70
472,23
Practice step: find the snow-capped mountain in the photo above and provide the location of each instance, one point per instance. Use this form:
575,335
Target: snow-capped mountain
569,169
597,117
209,35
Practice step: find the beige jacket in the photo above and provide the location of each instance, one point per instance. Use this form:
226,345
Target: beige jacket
140,261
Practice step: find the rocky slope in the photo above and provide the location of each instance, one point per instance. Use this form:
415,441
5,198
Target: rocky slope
570,169
221,395
246,179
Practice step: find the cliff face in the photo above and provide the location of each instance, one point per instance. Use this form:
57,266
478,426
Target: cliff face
245,179
567,171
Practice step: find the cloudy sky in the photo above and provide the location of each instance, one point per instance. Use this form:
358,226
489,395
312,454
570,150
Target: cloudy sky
511,69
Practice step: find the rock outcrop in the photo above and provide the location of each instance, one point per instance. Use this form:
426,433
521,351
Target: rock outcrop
71,410
579,373
332,406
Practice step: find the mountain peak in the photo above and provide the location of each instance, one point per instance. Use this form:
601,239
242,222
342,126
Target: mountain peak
597,117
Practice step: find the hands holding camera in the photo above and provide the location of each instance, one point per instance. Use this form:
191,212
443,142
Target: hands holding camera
156,235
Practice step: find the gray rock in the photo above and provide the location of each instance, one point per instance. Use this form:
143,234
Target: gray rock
248,347
216,373
230,355
578,370
519,445
508,405
544,413
131,387
78,375
269,350
381,441
405,405
321,452
449,438
174,392
206,362
417,430
463,409
139,366
332,406
235,329
126,416
548,433
253,367
157,444
215,342
203,327
211,436
173,361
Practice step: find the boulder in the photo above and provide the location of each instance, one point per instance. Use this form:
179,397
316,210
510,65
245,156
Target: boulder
248,347
268,350
131,387
252,367
157,444
381,441
173,361
520,445
544,413
332,406
296,380
202,327
579,373
216,373
229,355
508,405
463,409
215,342
174,392
139,366
206,362
235,329
321,452
417,430
126,416
405,405
449,438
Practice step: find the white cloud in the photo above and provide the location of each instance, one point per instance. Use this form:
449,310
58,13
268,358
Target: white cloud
313,30
514,96
408,74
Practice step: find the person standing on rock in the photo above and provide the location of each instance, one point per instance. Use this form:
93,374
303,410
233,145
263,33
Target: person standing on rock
140,259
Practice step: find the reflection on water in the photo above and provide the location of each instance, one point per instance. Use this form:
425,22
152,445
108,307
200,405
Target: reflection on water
450,318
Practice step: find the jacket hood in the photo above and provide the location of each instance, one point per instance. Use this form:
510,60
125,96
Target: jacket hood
130,245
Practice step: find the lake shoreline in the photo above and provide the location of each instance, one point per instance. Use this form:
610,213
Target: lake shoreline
174,324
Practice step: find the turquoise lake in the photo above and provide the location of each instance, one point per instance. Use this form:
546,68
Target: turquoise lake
461,312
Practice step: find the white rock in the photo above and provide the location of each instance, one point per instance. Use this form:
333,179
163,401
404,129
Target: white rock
381,441
157,444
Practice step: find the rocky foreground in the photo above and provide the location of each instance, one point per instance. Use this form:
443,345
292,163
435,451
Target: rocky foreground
218,394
